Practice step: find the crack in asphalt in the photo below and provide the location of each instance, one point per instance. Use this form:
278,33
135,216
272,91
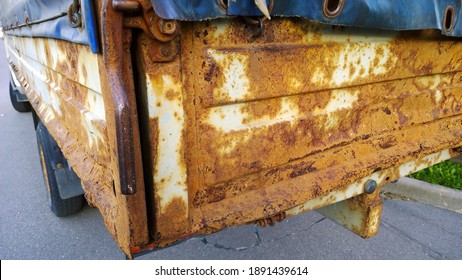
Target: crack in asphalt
258,240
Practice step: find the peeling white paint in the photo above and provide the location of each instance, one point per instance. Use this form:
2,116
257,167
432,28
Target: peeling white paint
234,68
170,174
94,136
340,100
49,92
438,96
95,104
41,84
355,62
412,167
88,71
231,118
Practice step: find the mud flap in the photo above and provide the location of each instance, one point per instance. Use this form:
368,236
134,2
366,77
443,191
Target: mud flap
68,183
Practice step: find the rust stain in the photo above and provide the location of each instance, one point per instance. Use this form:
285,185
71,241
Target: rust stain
59,99
166,128
172,219
295,112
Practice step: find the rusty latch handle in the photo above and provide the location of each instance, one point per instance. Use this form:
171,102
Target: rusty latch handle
126,6
113,53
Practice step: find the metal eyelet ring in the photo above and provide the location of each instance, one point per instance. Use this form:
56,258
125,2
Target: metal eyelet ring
448,19
73,15
223,4
332,8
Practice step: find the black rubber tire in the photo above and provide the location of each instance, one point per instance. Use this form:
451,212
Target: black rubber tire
22,107
50,154
35,119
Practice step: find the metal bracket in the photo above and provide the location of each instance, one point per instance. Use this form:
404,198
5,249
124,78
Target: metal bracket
113,52
141,16
360,214
69,184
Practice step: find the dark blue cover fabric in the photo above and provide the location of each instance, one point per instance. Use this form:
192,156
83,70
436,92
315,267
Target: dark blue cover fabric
382,14
48,18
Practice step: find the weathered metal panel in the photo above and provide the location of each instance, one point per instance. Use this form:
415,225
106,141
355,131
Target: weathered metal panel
307,109
64,87
127,219
64,83
165,110
330,92
239,126
381,178
252,130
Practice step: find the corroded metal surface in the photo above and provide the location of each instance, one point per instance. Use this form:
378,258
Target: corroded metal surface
306,110
164,107
240,129
127,222
252,130
117,91
362,219
381,177
60,81
358,211
68,87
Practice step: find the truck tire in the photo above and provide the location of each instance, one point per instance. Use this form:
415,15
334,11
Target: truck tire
52,158
20,106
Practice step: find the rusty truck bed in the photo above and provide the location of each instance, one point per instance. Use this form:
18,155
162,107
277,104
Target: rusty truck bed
221,125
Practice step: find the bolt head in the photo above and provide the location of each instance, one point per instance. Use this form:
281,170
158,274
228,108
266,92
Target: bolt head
371,186
168,27
166,51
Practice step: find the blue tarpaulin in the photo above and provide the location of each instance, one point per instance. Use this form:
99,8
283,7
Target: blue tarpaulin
381,14
48,18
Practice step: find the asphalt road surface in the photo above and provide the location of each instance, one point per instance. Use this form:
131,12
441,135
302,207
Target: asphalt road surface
28,229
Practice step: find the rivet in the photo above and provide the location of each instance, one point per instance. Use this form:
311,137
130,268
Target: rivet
166,51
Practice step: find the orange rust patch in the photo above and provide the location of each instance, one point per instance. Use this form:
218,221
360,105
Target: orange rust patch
170,95
341,87
172,219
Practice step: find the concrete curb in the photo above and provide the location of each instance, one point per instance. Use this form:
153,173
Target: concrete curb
427,193
457,159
